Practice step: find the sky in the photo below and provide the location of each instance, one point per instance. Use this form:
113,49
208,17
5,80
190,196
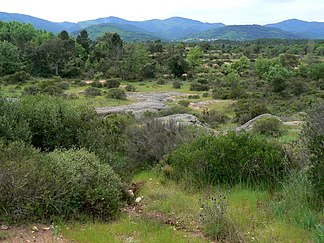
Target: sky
212,11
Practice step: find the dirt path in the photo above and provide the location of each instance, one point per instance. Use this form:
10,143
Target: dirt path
151,101
31,233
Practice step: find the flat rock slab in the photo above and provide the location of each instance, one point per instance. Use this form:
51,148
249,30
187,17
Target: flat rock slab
152,102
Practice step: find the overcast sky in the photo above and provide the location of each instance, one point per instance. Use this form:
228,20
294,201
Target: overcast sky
225,11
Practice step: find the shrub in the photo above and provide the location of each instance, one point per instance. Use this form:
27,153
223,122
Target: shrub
213,117
130,88
63,85
193,97
67,184
112,83
214,217
247,109
268,125
199,87
314,134
13,125
184,103
150,142
229,158
117,94
161,82
92,92
54,122
176,84
18,77
97,84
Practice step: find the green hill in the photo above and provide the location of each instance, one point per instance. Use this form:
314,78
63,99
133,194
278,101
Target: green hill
128,33
313,30
242,32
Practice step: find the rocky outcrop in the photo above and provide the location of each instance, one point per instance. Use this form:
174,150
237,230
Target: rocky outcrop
249,125
152,102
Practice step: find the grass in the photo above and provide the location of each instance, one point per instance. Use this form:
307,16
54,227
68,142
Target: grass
128,229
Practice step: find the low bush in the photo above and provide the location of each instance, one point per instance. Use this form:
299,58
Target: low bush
112,83
18,77
148,143
229,159
130,88
177,84
117,94
66,184
92,92
247,109
199,87
268,125
213,117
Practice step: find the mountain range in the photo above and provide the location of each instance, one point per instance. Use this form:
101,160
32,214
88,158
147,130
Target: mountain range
176,28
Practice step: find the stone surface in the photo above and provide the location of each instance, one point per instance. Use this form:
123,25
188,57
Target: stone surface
152,102
249,125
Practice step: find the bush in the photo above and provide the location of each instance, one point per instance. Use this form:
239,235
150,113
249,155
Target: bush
229,158
117,94
112,83
314,133
92,92
63,85
13,125
55,122
161,82
247,109
67,184
130,88
184,103
199,87
18,77
150,142
213,117
268,125
177,84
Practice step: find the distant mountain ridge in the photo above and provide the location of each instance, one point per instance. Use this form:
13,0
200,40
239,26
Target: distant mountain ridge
176,28
309,29
244,32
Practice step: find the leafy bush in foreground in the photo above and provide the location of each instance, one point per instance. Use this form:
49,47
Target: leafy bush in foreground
66,184
230,158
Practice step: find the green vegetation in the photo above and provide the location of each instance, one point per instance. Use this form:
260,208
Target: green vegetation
229,159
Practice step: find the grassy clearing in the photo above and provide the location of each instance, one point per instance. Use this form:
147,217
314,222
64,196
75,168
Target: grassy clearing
127,229
250,210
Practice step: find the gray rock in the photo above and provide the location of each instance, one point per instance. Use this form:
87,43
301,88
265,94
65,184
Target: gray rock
249,125
4,227
152,102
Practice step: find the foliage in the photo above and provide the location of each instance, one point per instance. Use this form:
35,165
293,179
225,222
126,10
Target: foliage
194,57
247,109
229,158
213,117
314,134
13,125
54,122
199,87
68,184
18,77
112,83
117,94
150,142
214,217
9,58
92,92
268,125
177,84
130,88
